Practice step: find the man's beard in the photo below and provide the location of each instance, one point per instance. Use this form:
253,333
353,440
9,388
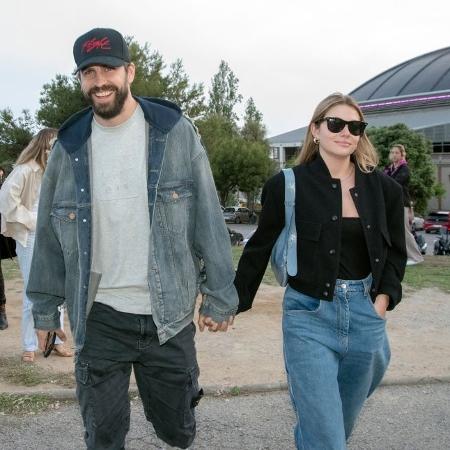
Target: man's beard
108,110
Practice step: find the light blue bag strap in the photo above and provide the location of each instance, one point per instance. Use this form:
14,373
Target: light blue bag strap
289,220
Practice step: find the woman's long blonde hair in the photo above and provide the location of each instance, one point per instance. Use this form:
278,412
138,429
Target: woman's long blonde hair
38,148
365,154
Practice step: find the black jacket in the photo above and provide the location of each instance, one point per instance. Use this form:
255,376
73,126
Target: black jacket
318,213
401,176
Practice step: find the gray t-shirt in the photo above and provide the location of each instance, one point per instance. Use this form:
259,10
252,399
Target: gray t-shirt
120,217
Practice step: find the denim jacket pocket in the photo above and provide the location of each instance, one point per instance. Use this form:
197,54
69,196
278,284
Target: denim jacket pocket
64,223
173,206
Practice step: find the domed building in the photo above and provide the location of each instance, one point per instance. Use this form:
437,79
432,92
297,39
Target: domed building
416,93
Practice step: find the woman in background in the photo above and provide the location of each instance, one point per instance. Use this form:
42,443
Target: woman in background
3,317
19,198
399,171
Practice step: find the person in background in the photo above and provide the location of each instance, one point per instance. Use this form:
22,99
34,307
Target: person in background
351,259
3,317
19,198
398,170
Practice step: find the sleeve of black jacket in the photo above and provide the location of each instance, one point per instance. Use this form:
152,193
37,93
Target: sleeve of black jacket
394,268
256,254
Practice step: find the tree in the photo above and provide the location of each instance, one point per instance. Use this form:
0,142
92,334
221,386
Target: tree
253,129
60,99
422,185
15,134
191,99
224,95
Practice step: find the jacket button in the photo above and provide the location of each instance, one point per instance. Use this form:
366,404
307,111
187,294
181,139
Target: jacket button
368,227
377,260
334,185
76,159
356,194
327,284
334,218
373,290
84,220
332,251
325,293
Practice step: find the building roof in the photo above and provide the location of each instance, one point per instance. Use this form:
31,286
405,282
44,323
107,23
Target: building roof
424,74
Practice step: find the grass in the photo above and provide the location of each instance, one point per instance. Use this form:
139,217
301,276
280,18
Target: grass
433,272
26,404
14,371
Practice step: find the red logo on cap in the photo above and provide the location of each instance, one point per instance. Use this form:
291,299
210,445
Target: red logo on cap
93,44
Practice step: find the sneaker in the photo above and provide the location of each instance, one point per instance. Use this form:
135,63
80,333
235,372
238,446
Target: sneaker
3,318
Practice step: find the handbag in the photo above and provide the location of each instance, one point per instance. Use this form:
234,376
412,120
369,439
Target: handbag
7,247
283,258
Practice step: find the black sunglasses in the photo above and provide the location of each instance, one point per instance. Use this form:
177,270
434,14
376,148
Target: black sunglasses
336,125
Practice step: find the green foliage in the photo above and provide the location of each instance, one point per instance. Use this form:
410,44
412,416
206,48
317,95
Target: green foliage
422,185
15,134
190,99
224,95
60,99
253,129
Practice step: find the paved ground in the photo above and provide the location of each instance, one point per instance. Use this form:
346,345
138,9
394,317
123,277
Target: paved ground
395,418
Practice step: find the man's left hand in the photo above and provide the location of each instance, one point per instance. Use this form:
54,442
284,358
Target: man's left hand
206,321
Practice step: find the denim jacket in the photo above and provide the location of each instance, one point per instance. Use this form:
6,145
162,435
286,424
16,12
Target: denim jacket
189,250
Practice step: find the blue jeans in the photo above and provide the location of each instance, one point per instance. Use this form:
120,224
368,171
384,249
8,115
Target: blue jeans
336,354
24,257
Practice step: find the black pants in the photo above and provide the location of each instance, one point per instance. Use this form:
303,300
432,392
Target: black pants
166,376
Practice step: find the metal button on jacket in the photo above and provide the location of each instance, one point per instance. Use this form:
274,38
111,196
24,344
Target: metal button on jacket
334,218
332,251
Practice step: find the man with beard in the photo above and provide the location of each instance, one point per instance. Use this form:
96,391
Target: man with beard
129,231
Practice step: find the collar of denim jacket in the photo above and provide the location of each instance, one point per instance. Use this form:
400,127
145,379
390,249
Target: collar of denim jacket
159,113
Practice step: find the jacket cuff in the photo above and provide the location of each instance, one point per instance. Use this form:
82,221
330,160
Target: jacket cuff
220,308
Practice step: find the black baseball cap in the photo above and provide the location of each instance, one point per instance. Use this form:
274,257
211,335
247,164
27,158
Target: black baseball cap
103,46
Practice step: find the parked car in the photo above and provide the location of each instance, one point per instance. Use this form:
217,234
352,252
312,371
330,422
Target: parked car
417,223
238,214
235,237
435,220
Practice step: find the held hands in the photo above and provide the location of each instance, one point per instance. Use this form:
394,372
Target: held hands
381,303
206,321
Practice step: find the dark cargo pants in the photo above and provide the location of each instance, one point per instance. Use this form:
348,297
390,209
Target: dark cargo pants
166,376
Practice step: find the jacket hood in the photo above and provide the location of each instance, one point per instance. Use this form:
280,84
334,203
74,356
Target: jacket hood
159,113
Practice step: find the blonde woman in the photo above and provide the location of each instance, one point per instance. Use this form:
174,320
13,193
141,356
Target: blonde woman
19,199
351,259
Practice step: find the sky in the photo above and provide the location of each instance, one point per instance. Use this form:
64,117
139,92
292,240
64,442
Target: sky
287,54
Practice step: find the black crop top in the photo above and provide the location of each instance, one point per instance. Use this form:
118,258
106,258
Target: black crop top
354,263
